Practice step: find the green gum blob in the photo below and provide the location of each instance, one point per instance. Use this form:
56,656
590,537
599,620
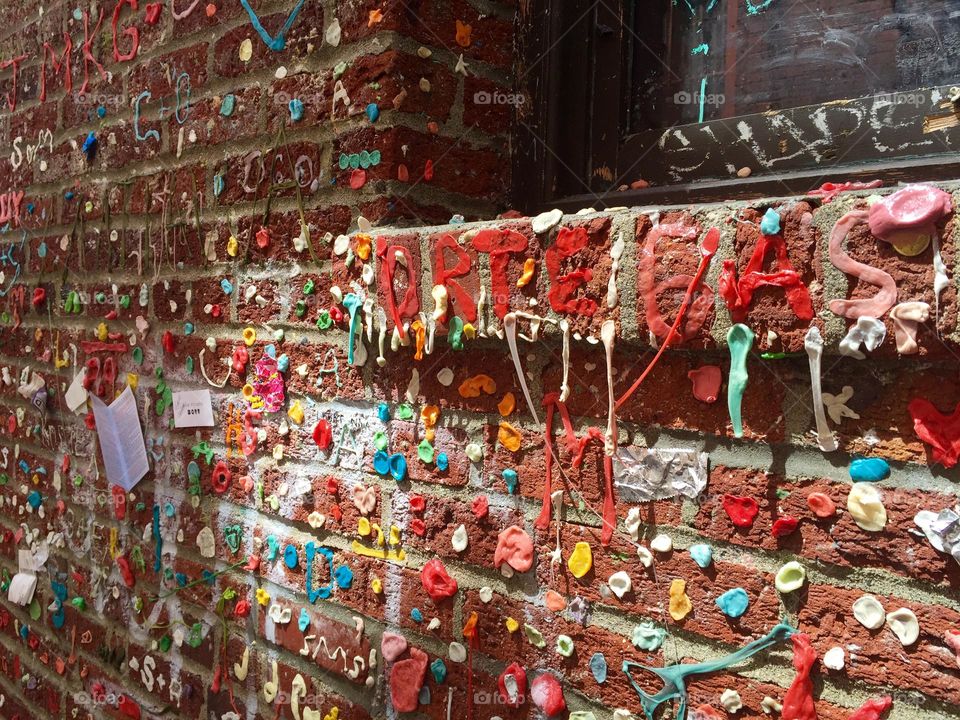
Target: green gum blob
739,340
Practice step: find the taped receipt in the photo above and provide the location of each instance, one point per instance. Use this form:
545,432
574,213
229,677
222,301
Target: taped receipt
121,439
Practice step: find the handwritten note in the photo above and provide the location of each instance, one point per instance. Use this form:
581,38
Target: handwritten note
192,409
121,439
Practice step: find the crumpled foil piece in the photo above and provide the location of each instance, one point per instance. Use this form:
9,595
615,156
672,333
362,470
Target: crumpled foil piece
942,530
644,474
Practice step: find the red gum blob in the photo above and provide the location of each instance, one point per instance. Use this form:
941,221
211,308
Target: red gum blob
128,579
547,694
323,435
520,677
221,478
784,526
410,305
829,191
872,709
706,382
821,505
701,305
418,503
798,702
406,679
569,242
941,432
437,582
515,548
119,502
742,510
499,244
240,358
152,14
738,293
480,507
443,275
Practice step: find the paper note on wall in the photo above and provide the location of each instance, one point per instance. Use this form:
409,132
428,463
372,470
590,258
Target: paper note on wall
24,583
121,439
76,394
192,408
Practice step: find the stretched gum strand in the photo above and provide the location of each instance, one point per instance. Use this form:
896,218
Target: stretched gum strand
739,341
879,303
813,342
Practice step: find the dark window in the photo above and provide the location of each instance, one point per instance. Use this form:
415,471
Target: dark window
710,99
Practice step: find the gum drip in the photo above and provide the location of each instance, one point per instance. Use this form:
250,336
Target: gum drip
510,326
739,340
813,343
674,677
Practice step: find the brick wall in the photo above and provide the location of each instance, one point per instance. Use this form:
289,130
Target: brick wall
151,246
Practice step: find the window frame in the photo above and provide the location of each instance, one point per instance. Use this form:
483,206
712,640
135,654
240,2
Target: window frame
563,134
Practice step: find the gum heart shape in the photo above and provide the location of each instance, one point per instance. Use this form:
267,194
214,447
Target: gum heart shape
232,534
365,498
741,510
515,548
152,13
392,646
406,679
941,432
436,581
512,684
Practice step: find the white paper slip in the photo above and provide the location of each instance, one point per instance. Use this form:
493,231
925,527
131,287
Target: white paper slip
76,395
22,587
121,439
192,408
24,583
